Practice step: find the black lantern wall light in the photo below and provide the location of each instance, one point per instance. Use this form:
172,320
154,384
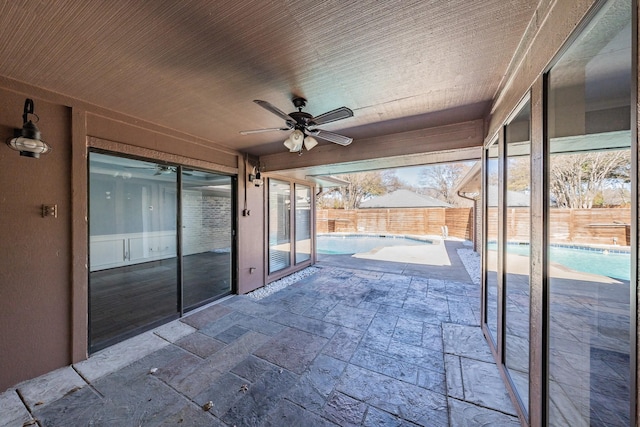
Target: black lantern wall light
27,140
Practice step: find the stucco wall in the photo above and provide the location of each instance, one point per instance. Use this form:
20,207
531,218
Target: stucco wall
35,262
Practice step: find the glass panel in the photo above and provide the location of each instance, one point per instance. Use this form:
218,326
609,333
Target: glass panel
491,239
132,247
303,223
516,264
207,218
589,225
279,230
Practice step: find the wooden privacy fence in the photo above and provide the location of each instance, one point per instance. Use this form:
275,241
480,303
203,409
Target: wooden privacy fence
459,221
581,226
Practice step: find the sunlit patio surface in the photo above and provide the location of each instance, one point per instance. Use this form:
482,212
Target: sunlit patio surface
360,342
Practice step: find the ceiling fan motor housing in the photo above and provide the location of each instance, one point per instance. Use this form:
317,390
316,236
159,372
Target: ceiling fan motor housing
299,102
302,119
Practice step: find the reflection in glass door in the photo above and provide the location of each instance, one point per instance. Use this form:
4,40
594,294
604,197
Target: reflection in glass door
491,240
590,225
279,225
207,240
303,223
517,251
133,279
141,263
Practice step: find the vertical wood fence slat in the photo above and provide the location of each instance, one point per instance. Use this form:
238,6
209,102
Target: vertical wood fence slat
583,226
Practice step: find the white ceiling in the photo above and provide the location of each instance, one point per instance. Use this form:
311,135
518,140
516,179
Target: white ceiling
196,65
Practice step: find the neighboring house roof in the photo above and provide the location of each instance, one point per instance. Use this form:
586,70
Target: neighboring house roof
404,199
514,198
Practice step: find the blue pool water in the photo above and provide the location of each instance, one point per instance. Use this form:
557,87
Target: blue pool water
588,260
353,244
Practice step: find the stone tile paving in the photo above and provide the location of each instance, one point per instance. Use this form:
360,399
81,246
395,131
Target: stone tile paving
342,347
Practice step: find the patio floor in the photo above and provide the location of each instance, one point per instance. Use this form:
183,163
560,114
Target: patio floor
358,343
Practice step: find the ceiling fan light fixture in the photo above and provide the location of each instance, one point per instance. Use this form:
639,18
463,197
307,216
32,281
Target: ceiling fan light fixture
297,136
295,141
310,142
289,144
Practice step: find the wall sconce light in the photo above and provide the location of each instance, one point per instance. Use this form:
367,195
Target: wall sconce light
255,177
27,140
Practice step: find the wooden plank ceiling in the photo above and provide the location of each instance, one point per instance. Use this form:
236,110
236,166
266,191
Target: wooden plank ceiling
196,65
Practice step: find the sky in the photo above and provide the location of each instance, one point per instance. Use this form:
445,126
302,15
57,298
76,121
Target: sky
410,175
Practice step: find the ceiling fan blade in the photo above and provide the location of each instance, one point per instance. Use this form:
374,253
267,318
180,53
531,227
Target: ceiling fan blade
333,115
275,110
332,137
249,132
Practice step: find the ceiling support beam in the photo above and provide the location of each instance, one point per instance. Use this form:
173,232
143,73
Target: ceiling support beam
405,148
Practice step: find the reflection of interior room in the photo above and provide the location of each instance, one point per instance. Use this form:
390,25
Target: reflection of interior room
137,277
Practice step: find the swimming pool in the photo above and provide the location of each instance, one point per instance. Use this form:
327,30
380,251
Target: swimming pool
358,243
611,263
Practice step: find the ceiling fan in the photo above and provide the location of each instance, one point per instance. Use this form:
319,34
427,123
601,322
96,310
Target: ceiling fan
304,125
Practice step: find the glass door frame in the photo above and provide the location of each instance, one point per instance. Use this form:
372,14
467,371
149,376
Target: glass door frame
497,344
293,266
180,309
491,339
234,241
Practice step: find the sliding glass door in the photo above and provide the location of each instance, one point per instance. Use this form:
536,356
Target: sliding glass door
207,241
492,190
564,324
279,225
140,276
303,223
589,226
290,226
132,246
517,230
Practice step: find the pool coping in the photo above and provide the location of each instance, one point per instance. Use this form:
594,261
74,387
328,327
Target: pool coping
435,240
594,248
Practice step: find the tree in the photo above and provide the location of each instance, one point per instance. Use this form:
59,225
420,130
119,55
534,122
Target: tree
519,174
578,180
361,186
442,179
391,182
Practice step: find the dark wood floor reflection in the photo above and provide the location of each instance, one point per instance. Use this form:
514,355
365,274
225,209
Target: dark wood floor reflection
127,299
